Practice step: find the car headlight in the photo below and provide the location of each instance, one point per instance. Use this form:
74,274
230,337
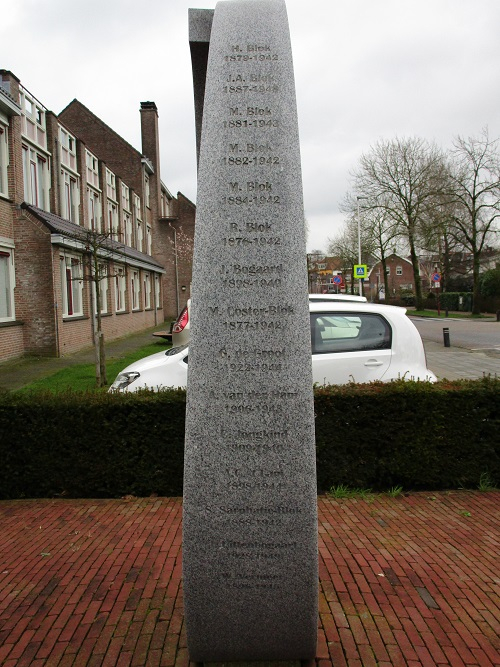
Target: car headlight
123,380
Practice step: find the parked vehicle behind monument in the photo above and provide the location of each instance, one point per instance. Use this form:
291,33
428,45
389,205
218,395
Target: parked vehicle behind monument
351,341
181,326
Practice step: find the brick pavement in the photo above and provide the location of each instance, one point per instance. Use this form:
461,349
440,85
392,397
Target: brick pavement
412,580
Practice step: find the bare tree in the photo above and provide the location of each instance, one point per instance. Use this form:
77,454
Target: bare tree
475,191
379,232
345,246
402,178
97,249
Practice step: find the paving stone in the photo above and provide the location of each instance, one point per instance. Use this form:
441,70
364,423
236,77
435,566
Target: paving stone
441,639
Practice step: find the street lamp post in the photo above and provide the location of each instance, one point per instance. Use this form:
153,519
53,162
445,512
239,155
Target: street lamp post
359,245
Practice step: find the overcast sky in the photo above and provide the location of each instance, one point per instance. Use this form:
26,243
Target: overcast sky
364,69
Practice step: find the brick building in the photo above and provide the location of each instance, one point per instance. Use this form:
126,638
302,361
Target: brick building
68,181
399,277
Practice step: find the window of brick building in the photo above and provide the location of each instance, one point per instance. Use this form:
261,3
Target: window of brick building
95,215
103,289
129,237
137,221
68,149
92,164
120,290
147,290
72,285
113,226
70,197
4,157
139,235
157,291
136,290
149,243
36,178
33,125
399,270
110,185
125,197
7,284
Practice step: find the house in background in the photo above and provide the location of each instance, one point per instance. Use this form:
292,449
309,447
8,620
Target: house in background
400,279
321,271
63,178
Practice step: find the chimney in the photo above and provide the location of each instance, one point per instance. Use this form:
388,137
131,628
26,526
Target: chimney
151,150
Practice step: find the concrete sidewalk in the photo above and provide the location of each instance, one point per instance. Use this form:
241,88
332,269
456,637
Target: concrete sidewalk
412,580
457,363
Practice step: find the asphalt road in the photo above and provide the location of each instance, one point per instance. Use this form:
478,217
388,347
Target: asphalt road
474,351
470,334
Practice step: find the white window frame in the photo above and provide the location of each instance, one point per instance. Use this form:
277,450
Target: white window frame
125,192
111,185
68,149
103,273
36,177
4,157
72,285
139,236
128,230
135,284
120,290
92,164
399,270
137,221
95,209
157,291
149,240
7,283
147,291
112,222
70,196
33,120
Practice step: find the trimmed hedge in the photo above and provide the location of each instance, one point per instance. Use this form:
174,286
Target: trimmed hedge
416,435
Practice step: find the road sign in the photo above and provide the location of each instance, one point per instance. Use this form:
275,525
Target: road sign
337,280
436,277
360,271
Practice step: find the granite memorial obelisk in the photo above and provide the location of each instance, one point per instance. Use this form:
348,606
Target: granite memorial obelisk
250,526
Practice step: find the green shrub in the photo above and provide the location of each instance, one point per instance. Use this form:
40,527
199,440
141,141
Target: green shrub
458,301
377,436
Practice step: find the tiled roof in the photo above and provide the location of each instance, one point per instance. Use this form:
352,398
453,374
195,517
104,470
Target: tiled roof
58,225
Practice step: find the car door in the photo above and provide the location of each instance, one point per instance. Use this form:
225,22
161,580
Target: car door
350,347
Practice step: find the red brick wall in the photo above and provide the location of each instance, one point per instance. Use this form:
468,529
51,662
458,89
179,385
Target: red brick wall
184,236
34,294
11,341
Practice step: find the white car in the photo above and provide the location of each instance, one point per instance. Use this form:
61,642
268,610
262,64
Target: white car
180,328
351,342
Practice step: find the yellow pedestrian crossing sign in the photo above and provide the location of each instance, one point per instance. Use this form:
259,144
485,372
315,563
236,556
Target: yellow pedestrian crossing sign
360,271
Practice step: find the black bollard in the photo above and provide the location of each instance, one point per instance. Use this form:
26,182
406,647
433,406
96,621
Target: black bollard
498,315
446,336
